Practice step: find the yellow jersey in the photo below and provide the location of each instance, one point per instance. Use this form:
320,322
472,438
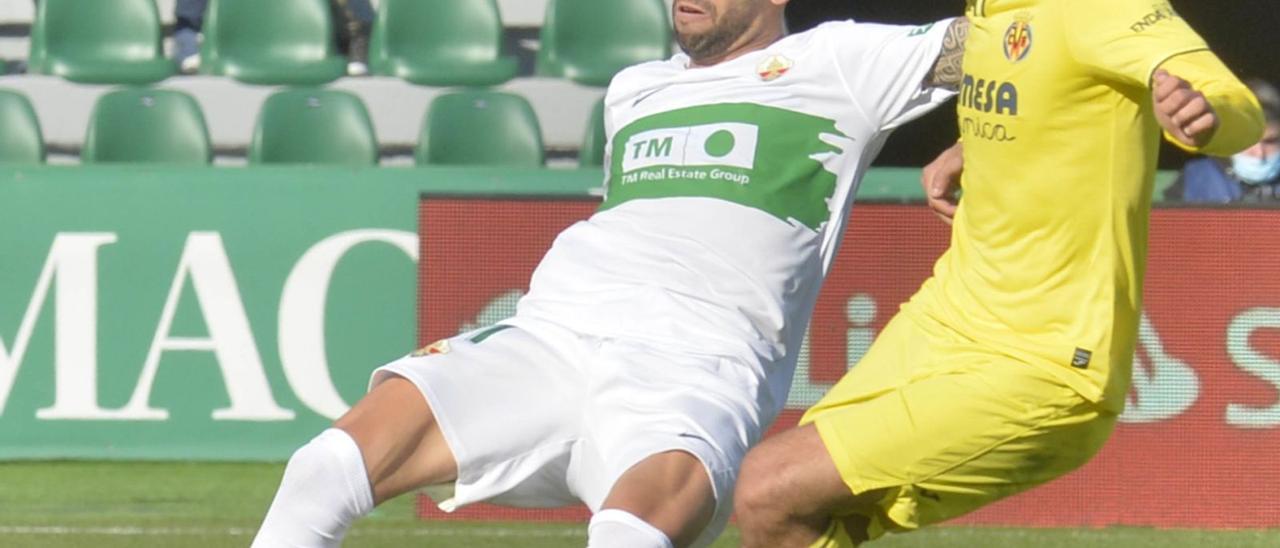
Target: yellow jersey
1049,244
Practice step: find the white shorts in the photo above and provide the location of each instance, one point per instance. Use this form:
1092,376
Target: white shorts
539,416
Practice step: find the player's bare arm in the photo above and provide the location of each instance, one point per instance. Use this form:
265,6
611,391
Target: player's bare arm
941,178
941,182
948,69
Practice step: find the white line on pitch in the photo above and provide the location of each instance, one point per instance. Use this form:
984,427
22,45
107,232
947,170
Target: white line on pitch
426,531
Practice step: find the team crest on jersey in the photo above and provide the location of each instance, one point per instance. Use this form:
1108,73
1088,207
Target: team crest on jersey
774,67
1017,40
438,347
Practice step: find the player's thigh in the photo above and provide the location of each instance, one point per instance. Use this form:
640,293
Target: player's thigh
645,419
1041,453
791,474
399,439
472,406
670,491
946,443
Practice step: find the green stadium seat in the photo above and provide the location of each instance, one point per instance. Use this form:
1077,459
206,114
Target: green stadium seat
147,126
588,41
286,42
21,141
440,43
314,126
102,41
594,142
481,128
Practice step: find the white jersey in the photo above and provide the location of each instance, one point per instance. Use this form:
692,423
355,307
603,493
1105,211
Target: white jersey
728,188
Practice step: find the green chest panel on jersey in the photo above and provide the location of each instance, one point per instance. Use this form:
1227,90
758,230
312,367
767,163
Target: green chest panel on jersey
776,160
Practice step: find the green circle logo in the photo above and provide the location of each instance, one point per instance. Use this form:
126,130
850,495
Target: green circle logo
720,143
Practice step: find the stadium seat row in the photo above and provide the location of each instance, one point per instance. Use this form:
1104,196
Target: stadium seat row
295,126
290,42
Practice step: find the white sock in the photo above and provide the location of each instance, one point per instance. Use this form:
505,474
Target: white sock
614,528
324,489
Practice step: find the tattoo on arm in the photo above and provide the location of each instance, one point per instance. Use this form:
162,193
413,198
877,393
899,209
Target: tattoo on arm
948,70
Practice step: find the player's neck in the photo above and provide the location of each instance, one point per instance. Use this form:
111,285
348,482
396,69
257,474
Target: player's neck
751,41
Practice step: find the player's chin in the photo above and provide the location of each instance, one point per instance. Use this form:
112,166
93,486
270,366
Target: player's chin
694,32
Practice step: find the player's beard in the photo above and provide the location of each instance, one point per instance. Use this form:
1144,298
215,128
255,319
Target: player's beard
728,27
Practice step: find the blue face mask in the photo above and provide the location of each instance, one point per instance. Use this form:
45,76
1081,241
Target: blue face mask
1255,170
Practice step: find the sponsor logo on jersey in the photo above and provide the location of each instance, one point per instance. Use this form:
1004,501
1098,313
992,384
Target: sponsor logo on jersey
987,130
981,97
438,347
990,96
730,144
774,67
776,160
1160,12
1017,40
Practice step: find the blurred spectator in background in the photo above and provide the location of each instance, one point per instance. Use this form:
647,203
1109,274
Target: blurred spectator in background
189,16
1250,176
352,20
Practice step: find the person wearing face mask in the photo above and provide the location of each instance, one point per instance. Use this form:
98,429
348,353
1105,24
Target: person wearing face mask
1249,176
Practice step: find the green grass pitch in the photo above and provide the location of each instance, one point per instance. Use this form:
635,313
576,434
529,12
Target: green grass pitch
199,505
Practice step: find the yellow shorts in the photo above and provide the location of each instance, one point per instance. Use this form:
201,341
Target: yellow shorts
946,425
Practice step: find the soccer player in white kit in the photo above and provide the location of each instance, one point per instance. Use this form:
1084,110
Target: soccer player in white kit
659,337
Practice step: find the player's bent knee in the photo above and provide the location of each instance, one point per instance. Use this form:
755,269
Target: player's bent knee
759,486
324,489
613,528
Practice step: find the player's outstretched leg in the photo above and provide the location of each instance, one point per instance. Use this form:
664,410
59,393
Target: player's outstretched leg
788,490
665,500
388,444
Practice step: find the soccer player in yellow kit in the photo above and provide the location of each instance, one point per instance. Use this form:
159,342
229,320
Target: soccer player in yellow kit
1009,366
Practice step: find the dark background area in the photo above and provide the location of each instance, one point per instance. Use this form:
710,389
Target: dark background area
1244,33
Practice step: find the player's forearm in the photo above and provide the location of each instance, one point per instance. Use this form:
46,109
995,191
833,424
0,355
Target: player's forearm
1240,121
